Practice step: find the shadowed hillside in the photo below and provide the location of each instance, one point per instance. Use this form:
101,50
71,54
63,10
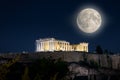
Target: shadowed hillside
62,66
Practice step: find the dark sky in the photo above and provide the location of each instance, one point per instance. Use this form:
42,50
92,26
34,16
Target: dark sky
24,21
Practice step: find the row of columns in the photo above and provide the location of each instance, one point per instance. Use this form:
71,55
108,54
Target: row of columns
41,45
50,46
64,46
85,48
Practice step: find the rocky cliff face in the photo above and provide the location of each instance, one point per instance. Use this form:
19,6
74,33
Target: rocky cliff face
89,66
79,71
102,60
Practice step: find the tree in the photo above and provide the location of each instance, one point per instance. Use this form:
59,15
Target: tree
99,50
54,77
48,69
37,77
25,75
4,68
106,51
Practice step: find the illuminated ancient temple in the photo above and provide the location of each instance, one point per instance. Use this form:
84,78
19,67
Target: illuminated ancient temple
52,44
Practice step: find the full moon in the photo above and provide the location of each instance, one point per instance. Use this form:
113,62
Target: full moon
89,20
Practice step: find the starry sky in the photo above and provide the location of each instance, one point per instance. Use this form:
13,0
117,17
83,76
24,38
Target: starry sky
24,21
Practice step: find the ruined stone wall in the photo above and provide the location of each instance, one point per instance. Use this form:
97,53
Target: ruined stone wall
103,60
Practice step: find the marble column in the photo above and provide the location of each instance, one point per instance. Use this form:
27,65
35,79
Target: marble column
49,45
41,46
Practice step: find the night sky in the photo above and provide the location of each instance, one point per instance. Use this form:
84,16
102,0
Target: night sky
24,21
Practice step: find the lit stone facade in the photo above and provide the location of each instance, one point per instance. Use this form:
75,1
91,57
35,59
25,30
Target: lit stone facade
51,44
80,47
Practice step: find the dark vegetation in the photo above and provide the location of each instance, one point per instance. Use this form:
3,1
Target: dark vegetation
99,50
42,69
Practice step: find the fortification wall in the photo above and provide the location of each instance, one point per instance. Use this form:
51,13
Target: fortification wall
103,60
